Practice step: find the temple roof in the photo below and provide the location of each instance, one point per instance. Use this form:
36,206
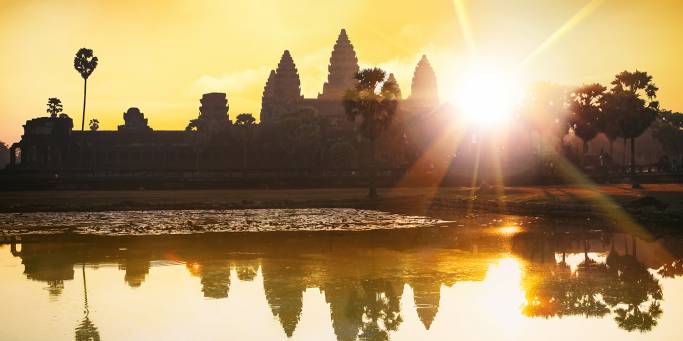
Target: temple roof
423,88
342,68
287,85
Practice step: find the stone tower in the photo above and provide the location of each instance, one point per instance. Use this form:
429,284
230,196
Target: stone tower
423,91
282,92
391,78
267,98
287,86
342,69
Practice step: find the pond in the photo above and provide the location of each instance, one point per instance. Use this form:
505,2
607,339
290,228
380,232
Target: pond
437,280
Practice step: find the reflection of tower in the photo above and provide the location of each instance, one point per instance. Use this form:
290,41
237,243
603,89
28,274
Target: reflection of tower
86,330
284,287
427,294
342,69
246,269
136,271
47,262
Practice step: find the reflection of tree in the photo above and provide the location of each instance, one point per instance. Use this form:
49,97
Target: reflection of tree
86,330
622,287
672,269
633,292
381,310
368,309
215,279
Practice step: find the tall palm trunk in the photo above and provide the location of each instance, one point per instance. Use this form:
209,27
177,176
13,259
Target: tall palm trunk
633,156
85,89
372,190
624,162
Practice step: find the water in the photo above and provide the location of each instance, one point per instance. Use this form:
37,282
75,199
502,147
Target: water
434,282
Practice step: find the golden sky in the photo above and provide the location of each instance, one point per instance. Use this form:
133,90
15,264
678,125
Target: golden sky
162,55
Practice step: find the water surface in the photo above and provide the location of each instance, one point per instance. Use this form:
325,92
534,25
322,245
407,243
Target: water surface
430,283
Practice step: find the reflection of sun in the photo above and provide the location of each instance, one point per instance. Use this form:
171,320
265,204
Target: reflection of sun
486,97
509,229
505,296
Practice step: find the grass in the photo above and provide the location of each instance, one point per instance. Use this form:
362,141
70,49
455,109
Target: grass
508,198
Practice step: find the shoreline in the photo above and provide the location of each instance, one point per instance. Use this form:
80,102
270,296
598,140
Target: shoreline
572,202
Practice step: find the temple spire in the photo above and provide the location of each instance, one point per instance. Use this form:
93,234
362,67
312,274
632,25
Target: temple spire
282,91
392,79
423,90
287,85
267,98
341,70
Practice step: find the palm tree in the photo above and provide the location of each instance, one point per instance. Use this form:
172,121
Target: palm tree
86,330
634,107
94,124
610,128
246,123
85,63
54,106
374,101
586,105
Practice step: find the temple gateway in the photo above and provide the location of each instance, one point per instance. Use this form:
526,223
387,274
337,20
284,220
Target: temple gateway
296,136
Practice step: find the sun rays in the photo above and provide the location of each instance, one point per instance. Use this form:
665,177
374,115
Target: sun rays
480,110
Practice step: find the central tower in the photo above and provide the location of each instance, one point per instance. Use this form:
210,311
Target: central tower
342,69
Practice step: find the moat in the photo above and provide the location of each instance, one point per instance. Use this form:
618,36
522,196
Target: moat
418,278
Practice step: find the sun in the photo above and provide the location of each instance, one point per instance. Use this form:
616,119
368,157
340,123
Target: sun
486,97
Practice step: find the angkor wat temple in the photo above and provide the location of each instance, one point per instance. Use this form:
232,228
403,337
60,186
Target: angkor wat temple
296,135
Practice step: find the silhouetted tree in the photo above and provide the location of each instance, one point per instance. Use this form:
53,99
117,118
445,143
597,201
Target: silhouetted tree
668,130
585,105
246,123
610,128
85,63
373,102
4,155
94,124
54,106
633,105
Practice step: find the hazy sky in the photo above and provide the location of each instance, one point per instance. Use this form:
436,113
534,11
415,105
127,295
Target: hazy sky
161,56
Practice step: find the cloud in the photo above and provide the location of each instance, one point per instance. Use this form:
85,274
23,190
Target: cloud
233,82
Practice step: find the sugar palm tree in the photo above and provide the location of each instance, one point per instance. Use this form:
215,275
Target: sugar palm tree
94,124
634,107
585,105
54,106
85,63
373,102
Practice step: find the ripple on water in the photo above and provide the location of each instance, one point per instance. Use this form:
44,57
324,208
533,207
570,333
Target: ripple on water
202,221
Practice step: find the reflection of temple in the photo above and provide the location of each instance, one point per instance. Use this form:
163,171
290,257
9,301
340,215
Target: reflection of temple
363,275
211,143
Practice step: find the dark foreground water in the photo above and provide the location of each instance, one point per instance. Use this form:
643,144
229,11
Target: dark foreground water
434,281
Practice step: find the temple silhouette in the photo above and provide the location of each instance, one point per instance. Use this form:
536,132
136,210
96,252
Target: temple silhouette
213,144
